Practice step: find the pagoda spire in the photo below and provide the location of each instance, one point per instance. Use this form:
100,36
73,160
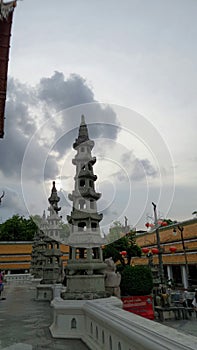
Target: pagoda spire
83,136
54,199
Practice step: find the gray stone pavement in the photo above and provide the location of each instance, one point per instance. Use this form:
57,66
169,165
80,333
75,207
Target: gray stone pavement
24,322
185,326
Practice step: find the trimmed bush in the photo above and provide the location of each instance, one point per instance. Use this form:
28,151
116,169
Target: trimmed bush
136,280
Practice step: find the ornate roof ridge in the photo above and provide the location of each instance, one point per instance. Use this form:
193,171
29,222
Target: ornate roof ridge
6,8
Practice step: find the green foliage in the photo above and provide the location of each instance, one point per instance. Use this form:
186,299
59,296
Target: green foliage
126,243
136,280
18,228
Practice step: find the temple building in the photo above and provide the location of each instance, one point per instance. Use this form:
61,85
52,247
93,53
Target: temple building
179,251
6,14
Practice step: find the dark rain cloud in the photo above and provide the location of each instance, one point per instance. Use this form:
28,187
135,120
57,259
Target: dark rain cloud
60,93
20,126
135,168
28,107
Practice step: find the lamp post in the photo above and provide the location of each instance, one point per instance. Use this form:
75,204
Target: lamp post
181,229
161,275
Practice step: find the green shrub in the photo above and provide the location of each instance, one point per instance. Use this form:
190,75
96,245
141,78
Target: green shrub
136,280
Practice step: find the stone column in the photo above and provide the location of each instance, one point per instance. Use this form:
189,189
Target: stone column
169,272
184,276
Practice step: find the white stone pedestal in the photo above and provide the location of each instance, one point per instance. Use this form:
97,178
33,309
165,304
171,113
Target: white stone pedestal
35,281
47,292
57,289
44,292
69,320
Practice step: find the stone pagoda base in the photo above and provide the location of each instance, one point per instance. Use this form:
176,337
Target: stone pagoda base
85,287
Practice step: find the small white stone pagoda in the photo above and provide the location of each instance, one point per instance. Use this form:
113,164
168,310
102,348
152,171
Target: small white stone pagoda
53,219
52,265
37,257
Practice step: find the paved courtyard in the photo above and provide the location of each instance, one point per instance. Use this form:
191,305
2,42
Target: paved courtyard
184,326
24,322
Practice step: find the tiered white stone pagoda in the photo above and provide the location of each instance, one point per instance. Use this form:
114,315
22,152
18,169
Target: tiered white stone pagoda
85,268
85,278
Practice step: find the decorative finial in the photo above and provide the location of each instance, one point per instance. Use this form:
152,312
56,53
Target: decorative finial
82,119
54,188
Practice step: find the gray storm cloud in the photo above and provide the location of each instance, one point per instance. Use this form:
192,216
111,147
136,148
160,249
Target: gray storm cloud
60,93
136,169
28,108
23,120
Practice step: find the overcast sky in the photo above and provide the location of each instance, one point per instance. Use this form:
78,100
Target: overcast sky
130,67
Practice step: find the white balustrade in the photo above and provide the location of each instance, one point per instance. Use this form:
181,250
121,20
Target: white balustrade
103,324
18,278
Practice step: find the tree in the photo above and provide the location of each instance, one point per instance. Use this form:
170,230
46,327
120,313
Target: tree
18,228
128,244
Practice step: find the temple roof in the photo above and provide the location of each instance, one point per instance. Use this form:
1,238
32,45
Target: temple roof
6,9
81,215
89,193
85,173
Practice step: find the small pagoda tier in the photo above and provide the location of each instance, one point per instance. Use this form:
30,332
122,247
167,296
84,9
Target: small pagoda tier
37,257
85,277
53,268
53,220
